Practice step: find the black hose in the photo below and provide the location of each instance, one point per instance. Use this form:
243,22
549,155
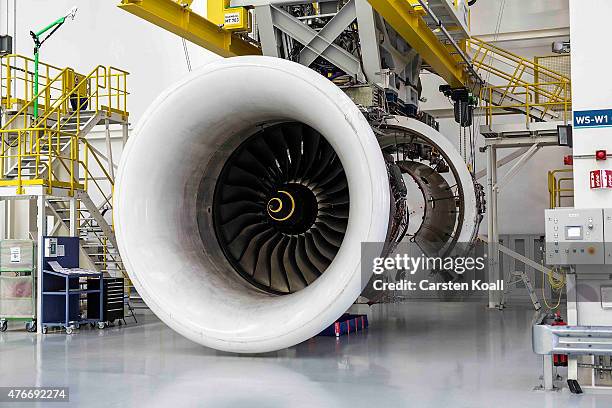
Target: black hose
471,2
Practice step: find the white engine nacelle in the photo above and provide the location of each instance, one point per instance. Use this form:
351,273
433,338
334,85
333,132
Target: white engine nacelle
242,200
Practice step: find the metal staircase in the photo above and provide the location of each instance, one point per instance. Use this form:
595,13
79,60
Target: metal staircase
95,243
451,14
516,85
52,151
69,125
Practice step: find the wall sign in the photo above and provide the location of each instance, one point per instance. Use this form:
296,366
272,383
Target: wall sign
15,254
600,179
593,118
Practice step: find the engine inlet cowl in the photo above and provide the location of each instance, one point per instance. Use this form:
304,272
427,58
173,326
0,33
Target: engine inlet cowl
242,200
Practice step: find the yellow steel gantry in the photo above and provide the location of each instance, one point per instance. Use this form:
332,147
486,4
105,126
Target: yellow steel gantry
179,18
219,37
406,17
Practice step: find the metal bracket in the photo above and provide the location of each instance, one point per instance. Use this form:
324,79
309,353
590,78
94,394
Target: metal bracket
328,34
517,166
527,261
321,44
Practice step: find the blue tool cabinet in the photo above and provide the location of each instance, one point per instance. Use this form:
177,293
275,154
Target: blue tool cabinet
62,290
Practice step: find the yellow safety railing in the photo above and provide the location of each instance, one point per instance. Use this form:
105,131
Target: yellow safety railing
23,116
519,85
17,81
91,168
560,64
55,84
90,177
117,90
556,191
38,143
528,99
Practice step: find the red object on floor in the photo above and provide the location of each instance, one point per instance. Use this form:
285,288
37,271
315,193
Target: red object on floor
559,360
346,324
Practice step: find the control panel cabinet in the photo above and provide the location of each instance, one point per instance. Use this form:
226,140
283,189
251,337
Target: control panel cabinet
578,236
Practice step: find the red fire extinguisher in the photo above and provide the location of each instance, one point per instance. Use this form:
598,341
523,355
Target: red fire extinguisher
559,360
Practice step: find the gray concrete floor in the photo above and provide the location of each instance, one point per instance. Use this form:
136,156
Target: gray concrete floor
414,355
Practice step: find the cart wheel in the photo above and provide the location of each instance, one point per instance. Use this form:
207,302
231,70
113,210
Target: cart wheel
3,325
77,326
31,327
101,325
69,330
45,330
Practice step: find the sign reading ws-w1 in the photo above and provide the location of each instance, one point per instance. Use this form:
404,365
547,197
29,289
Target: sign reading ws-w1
593,118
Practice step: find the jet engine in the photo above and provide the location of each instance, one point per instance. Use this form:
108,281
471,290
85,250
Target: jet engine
243,197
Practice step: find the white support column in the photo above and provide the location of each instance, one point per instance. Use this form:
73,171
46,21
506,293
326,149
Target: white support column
590,95
124,132
32,219
547,372
40,233
74,218
492,233
109,150
9,214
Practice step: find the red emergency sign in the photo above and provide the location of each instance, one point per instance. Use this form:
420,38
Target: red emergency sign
596,181
600,179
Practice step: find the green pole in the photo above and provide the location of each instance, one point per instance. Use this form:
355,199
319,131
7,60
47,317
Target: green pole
36,83
36,37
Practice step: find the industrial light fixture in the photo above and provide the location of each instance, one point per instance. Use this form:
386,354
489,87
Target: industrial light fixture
564,135
6,45
561,47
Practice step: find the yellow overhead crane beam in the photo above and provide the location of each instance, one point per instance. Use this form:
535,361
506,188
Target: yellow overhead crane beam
216,33
405,16
177,17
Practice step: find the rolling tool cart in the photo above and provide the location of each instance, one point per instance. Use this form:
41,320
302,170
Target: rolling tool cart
112,300
17,283
60,299
63,284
